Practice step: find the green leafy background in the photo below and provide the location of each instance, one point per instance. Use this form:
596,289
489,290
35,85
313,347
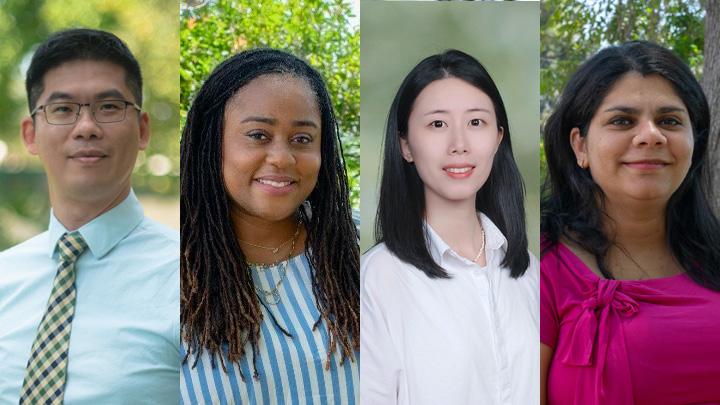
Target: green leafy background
321,32
150,30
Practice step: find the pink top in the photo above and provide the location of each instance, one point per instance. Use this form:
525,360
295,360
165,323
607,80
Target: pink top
618,342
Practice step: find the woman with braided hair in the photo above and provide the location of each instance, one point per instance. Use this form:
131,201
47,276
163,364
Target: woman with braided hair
269,253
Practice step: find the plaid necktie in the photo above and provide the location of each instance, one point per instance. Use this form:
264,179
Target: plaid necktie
46,370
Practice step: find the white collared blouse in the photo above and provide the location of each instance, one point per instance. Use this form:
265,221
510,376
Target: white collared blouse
471,339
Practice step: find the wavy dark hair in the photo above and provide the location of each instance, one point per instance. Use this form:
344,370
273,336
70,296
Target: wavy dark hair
401,207
219,303
573,204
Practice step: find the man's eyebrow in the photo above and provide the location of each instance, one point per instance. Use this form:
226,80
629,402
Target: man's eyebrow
273,121
59,95
112,93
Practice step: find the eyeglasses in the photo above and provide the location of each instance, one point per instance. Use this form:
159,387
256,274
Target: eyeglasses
103,112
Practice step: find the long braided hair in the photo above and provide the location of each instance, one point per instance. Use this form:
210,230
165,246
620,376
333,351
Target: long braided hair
220,309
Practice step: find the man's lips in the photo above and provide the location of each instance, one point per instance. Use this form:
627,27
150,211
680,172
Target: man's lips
88,156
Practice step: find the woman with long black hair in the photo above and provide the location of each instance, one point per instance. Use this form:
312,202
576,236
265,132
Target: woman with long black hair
630,292
269,252
449,296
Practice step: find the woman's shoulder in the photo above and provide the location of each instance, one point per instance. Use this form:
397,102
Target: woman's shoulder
559,263
378,259
380,268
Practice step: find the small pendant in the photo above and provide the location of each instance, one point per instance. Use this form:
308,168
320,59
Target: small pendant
275,298
276,250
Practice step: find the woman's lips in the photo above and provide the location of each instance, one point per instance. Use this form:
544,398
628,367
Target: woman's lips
459,171
647,164
276,185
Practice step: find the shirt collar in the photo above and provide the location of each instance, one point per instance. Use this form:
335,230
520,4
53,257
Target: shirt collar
494,239
103,233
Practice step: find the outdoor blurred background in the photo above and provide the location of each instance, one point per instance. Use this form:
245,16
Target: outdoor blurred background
504,37
151,32
324,33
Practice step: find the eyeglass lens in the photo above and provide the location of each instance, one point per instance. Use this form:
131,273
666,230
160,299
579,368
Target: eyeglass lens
103,111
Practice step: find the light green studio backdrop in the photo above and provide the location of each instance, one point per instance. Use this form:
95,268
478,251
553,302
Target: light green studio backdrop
504,37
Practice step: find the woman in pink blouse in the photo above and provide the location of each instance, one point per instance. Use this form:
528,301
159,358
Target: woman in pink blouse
630,268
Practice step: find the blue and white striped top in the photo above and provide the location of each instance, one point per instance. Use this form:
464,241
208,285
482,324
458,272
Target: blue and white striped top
291,369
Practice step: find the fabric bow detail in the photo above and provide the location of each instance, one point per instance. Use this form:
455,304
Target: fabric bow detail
596,311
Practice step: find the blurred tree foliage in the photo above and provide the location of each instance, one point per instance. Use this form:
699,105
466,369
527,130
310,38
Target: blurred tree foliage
150,30
572,30
318,31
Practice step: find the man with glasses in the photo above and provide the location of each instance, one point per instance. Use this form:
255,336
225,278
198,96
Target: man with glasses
89,310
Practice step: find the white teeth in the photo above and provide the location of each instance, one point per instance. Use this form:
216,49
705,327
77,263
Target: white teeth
277,184
462,170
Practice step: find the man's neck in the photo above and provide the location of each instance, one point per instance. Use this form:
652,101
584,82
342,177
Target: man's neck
73,212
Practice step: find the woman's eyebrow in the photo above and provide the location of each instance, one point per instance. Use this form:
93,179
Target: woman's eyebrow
477,109
273,121
624,109
636,111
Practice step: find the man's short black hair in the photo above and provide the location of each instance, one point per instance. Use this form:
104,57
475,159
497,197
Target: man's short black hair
81,44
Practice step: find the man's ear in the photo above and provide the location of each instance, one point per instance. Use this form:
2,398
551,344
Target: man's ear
144,130
27,129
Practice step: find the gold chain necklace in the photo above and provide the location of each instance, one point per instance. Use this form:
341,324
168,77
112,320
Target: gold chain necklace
276,249
272,297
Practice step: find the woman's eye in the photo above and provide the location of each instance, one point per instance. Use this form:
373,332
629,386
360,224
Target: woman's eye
437,124
304,138
670,121
475,122
257,135
621,121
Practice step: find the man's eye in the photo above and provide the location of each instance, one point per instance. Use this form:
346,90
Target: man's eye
62,108
109,107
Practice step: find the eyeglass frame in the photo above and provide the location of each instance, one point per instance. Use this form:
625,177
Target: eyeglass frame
80,106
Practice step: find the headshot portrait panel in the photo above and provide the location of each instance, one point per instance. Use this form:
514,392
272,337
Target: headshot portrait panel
448,286
269,246
504,37
89,207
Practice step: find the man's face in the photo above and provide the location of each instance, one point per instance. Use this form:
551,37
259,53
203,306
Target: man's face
87,161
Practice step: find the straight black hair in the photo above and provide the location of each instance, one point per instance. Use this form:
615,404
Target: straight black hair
81,44
573,202
219,303
401,207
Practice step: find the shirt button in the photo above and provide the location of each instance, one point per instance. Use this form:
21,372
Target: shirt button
476,273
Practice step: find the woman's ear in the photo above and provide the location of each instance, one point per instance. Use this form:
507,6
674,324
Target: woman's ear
579,146
405,147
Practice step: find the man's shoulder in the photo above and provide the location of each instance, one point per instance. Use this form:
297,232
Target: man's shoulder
153,229
31,248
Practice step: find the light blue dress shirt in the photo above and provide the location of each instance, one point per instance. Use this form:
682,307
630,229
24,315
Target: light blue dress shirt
125,339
